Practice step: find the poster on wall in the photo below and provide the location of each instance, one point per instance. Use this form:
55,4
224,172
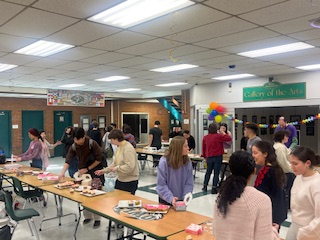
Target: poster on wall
74,98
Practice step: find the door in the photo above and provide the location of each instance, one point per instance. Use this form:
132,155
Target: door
133,121
5,139
62,119
30,119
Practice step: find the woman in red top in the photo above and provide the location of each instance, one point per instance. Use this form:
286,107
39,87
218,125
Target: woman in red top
212,151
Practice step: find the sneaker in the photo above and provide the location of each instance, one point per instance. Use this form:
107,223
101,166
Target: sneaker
204,189
87,220
96,224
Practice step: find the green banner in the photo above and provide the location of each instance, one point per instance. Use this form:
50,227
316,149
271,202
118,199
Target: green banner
275,91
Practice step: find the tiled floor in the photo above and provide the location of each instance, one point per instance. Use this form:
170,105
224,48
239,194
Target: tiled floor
202,204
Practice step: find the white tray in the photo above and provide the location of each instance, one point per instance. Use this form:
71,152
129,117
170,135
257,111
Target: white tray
98,192
125,204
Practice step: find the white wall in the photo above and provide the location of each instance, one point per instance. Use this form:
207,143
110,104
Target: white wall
219,91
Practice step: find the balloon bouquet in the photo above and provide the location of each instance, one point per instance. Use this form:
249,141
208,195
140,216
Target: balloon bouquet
215,112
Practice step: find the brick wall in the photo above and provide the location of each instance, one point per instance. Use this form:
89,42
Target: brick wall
17,105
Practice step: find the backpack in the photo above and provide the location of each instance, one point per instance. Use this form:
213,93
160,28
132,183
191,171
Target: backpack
103,160
2,156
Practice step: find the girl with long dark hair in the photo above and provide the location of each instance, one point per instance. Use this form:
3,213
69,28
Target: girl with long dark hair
271,179
241,211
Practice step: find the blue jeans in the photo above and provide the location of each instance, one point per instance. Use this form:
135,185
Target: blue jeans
36,163
213,163
73,167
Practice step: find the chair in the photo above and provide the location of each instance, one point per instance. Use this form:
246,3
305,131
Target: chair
20,214
27,195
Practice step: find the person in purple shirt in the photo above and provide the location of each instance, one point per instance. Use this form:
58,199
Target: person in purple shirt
283,125
175,178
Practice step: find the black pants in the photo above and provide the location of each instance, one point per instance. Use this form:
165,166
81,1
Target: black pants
5,233
130,187
289,183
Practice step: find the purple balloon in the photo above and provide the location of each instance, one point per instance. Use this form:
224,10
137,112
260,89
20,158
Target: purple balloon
210,117
214,113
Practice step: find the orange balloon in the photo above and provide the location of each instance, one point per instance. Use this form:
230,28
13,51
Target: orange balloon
213,105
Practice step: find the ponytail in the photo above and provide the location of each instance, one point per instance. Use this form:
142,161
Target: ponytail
231,189
317,160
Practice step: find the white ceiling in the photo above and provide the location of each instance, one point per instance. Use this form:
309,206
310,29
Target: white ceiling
208,33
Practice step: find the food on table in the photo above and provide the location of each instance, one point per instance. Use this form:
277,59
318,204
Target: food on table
65,184
189,237
75,185
155,207
88,191
71,190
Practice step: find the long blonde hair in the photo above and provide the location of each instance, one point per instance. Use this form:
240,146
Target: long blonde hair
174,156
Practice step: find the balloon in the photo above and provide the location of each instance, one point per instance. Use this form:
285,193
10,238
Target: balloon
210,117
220,109
218,118
214,113
213,105
208,110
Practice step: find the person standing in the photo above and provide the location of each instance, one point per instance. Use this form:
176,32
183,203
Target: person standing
223,128
190,139
67,141
125,163
241,211
34,151
175,177
176,132
305,195
251,132
95,133
45,150
155,140
126,129
212,151
293,139
282,152
271,179
90,156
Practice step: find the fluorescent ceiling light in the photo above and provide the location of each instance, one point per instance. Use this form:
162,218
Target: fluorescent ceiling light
235,76
133,12
174,68
112,78
128,90
5,67
43,48
276,50
171,84
72,85
309,67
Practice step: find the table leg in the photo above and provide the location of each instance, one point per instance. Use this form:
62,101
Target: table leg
58,201
109,229
77,224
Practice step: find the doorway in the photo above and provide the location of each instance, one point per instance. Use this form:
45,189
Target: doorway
30,119
61,120
139,125
5,140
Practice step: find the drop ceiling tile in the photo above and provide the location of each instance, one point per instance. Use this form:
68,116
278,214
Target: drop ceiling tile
18,59
315,42
217,29
306,35
295,54
203,55
13,43
119,40
181,20
26,70
152,65
71,74
75,66
108,58
77,53
177,51
280,12
236,7
254,45
75,8
237,38
48,73
150,47
8,11
293,25
21,2
36,23
229,59
48,63
132,62
99,69
82,32
274,72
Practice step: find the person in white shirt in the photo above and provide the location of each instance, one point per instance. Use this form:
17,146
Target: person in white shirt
280,138
305,196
